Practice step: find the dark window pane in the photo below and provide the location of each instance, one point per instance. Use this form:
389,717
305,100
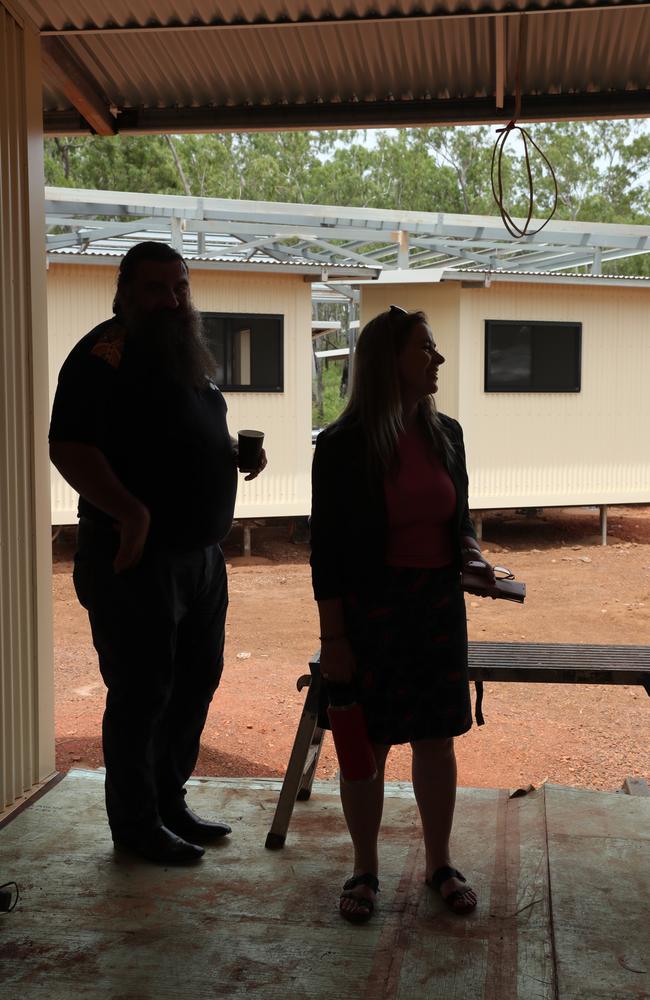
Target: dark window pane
247,349
266,356
532,357
510,356
555,361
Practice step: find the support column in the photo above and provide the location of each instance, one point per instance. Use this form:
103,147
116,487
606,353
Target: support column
477,518
26,660
603,524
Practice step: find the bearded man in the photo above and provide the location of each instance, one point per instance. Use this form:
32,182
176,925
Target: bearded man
139,431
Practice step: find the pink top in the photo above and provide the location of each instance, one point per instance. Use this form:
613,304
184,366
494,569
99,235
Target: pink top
421,503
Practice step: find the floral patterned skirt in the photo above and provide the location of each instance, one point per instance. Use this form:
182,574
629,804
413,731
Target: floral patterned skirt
409,635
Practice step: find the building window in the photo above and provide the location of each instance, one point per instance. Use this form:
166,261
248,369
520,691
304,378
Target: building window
532,357
248,351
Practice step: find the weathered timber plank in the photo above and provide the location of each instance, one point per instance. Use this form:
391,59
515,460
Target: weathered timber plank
559,663
599,851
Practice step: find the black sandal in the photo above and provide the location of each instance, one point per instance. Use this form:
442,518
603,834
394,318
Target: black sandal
365,907
441,875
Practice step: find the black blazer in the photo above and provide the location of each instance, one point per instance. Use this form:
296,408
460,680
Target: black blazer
349,520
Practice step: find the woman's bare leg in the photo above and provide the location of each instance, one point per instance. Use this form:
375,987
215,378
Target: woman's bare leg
363,804
434,783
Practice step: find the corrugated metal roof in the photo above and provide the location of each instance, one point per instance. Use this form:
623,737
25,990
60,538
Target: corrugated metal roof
545,277
553,274
191,64
485,276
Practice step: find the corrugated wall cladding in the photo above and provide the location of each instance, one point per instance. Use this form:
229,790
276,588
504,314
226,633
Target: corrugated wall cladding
545,449
80,296
20,760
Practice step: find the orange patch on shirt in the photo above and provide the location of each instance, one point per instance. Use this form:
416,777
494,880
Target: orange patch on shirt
110,346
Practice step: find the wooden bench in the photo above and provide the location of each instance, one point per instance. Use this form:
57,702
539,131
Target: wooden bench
523,662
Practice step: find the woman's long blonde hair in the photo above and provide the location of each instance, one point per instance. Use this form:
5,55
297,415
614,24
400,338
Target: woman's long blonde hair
375,398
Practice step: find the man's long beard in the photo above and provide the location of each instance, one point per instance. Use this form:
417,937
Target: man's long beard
168,344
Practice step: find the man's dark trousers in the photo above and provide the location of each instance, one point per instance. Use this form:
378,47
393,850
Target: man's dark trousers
159,632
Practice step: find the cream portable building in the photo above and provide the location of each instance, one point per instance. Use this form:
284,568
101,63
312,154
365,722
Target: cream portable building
258,321
547,374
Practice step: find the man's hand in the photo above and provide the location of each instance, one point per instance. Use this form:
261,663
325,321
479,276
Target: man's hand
88,471
337,661
260,468
134,531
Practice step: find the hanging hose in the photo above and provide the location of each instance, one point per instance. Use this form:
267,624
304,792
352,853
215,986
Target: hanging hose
497,189
497,158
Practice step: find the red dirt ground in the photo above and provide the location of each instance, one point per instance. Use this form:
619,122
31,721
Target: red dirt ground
587,736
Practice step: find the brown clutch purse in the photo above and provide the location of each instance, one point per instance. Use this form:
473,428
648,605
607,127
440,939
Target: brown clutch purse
504,586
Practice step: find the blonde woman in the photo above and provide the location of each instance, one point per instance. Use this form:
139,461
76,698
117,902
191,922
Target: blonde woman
390,533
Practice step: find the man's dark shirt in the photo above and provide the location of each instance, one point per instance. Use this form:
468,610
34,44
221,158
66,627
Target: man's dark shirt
167,444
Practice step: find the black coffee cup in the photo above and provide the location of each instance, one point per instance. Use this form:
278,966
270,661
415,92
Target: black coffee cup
250,450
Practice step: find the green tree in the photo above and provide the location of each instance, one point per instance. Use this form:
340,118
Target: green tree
208,164
599,169
121,163
464,155
333,401
346,177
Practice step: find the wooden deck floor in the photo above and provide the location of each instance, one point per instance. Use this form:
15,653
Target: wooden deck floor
563,878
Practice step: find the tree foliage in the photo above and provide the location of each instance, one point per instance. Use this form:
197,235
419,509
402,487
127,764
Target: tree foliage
333,401
600,168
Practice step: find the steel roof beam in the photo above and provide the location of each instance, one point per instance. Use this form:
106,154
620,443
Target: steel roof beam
339,251
323,234
306,230
104,231
456,249
543,261
330,295
78,87
90,202
435,248
566,258
361,223
439,260
350,293
578,260
412,113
